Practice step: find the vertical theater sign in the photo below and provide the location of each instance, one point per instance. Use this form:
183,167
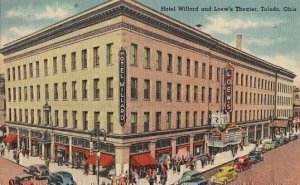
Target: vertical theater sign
228,88
122,86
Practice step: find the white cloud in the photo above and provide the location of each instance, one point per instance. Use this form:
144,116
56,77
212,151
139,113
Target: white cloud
54,12
264,41
21,31
226,25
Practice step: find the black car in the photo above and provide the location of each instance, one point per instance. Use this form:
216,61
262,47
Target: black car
255,156
293,137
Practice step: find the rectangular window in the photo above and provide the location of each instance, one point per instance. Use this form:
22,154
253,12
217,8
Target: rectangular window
19,73
169,91
218,96
55,91
109,53
203,70
65,119
187,95
168,121
20,115
15,95
32,116
158,90
31,94
178,92
110,122
84,89
26,115
236,78
134,88
178,119
30,71
195,118
20,93
241,98
110,90
210,95
250,81
246,80
146,121
218,74
133,54
46,91
74,118
210,73
56,119
170,63
24,72
203,94
64,88
25,93
158,121
202,118
195,93
73,60
96,88
54,65
146,57
242,79
246,97
8,74
9,94
74,90
63,64
13,73
146,89
133,122
188,67
85,120
37,68
84,59
179,65
187,119
196,69
158,60
96,56
46,67
97,120
236,97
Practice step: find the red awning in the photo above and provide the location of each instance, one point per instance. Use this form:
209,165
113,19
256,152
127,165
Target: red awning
106,160
10,138
144,159
86,152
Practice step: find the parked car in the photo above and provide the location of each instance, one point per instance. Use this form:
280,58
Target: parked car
260,149
60,178
285,140
38,171
255,156
192,177
242,163
21,179
278,141
293,137
269,145
224,175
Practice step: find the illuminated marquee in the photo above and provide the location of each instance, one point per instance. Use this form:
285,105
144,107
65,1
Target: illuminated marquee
122,86
228,86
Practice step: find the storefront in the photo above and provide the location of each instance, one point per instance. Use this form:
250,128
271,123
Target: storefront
35,137
266,131
163,150
251,138
61,148
198,145
80,151
182,146
258,132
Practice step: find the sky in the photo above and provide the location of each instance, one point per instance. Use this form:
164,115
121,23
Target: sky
270,35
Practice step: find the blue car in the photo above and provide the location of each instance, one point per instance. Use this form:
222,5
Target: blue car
61,178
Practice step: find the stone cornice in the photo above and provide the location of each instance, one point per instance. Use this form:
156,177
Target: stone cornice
145,16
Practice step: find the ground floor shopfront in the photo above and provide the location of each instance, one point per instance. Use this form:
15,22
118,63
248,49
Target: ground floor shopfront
73,150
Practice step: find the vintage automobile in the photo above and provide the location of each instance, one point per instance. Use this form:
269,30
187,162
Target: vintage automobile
255,156
286,140
192,177
269,145
260,149
293,137
21,179
38,171
224,175
278,141
61,178
242,163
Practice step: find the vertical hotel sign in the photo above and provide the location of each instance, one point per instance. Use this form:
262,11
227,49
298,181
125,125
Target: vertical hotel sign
122,86
228,86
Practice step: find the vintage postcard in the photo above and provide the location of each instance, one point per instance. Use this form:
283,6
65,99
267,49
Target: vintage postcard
158,92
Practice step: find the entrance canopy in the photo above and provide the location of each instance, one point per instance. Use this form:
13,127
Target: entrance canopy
144,159
280,123
10,138
106,160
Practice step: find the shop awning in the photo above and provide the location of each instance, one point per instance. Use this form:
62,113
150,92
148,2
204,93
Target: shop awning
280,123
10,138
144,159
86,152
106,160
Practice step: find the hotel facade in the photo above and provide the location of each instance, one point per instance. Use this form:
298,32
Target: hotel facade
149,81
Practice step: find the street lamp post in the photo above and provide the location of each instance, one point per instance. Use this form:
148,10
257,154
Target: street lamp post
96,133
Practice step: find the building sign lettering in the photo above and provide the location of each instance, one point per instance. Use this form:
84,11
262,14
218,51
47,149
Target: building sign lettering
228,86
122,86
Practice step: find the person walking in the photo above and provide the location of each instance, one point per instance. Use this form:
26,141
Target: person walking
212,159
114,180
86,169
47,163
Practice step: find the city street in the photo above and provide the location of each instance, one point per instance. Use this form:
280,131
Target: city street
8,170
280,166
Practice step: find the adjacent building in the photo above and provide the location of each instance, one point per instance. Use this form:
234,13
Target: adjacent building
151,82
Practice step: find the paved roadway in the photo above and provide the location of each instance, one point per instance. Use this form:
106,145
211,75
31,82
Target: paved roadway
281,166
8,170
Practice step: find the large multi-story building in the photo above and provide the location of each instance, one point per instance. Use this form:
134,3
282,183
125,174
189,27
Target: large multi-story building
72,77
